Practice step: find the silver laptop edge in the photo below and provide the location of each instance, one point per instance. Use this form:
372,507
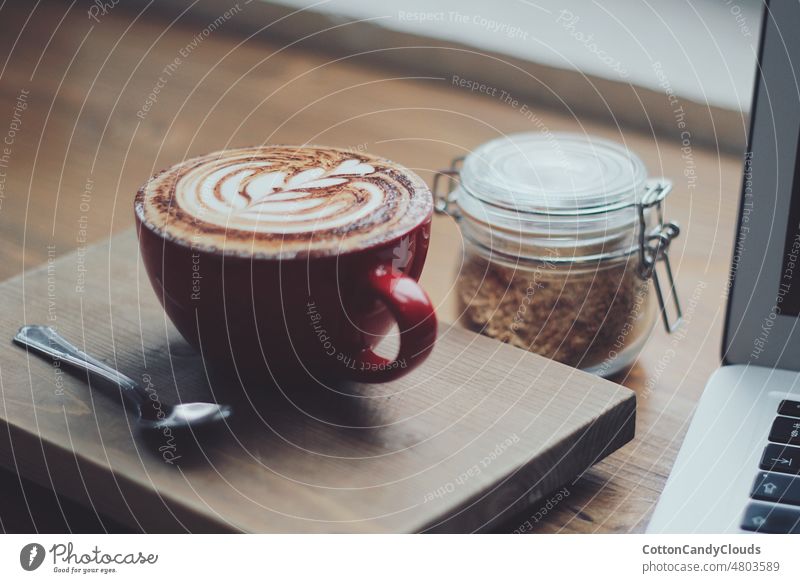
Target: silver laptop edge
717,467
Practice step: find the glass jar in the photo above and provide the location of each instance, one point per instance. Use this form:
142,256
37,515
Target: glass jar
562,235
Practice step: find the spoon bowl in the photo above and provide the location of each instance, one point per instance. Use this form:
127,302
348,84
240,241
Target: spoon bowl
185,417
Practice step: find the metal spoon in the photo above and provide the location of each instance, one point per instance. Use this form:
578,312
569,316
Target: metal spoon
175,418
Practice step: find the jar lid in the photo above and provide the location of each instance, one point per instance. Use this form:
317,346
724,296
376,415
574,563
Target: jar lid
554,173
533,194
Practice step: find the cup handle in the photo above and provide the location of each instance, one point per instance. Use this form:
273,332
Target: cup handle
416,320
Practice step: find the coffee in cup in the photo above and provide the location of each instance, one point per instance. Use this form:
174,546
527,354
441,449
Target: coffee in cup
290,262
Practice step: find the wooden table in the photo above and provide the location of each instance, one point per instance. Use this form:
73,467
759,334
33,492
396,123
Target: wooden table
86,138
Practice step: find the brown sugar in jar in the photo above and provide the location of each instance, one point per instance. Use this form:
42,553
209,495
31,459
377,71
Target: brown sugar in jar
562,234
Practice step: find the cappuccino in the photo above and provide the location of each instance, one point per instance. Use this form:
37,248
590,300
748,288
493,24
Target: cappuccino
284,202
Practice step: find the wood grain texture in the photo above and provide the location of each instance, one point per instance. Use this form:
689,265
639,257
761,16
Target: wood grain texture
480,430
87,81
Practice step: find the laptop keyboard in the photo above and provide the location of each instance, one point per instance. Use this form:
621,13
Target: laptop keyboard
785,430
780,482
780,458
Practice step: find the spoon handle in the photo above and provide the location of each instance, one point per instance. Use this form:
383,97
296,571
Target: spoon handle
47,341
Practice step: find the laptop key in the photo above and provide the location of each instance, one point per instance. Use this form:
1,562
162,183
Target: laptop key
785,430
760,517
781,458
790,408
776,488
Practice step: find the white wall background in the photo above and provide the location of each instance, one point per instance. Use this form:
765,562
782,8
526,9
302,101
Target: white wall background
706,48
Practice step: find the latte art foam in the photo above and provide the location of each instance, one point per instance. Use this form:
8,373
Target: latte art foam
261,196
285,201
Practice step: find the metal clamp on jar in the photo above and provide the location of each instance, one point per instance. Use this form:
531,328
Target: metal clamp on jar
563,234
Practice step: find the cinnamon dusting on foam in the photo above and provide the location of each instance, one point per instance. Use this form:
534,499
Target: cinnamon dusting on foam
284,201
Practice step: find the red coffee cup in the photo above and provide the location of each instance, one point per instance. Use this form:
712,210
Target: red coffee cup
314,316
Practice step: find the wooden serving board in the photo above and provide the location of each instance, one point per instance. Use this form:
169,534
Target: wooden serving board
480,431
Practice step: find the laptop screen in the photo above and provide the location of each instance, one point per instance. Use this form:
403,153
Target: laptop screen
764,304
789,286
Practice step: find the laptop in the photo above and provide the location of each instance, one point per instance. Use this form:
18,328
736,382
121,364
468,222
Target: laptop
738,469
